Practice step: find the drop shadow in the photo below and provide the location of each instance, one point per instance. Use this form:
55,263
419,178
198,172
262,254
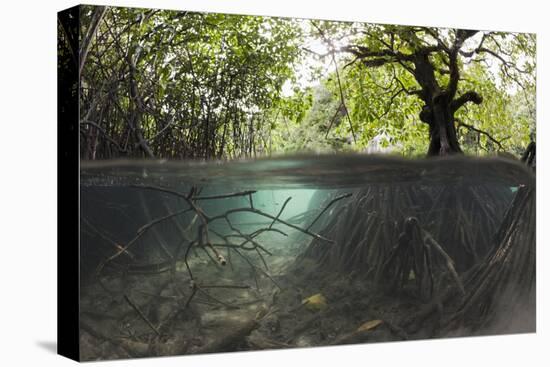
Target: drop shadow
50,346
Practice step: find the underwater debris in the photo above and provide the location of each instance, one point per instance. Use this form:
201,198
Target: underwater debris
369,325
317,302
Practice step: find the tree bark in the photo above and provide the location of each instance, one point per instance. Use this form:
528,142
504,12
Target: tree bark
443,137
438,110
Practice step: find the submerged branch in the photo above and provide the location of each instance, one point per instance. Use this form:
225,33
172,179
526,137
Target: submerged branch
141,315
327,207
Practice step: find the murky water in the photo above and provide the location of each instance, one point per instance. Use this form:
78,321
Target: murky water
216,239
324,171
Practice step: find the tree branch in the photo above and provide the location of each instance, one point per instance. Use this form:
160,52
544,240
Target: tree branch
387,55
470,96
461,36
479,131
97,15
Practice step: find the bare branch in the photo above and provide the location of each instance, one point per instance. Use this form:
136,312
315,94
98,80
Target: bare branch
327,207
97,15
141,314
280,211
101,130
225,196
342,98
479,131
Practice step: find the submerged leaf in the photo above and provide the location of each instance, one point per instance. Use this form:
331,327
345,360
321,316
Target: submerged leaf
316,302
369,325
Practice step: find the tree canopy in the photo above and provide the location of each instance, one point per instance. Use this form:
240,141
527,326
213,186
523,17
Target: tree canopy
175,84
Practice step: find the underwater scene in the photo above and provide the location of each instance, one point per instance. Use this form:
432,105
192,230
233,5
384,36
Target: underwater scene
302,251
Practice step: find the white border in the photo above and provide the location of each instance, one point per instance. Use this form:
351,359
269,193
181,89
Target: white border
28,182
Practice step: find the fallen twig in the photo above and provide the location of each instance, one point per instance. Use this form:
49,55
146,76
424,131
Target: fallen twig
141,315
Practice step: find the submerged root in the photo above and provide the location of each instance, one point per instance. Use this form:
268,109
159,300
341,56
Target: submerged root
462,219
365,229
465,218
502,288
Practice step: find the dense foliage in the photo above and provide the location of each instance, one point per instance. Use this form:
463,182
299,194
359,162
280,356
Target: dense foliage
400,86
178,84
172,84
